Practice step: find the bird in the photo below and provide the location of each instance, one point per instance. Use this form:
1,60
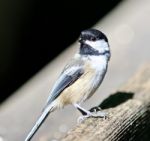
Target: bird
80,78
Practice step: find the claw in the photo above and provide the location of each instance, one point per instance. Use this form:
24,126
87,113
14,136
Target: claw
100,114
95,109
94,112
81,119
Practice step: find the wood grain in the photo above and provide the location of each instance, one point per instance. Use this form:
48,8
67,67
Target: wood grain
128,120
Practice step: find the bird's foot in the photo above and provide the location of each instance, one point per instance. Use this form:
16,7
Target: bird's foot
95,114
82,118
95,109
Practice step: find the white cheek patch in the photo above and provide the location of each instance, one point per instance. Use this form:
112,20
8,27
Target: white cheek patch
100,45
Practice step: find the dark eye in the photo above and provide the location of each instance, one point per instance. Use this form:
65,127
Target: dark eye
93,39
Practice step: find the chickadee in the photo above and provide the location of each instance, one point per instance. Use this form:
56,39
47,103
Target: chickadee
80,77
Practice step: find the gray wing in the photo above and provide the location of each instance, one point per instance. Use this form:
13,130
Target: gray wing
67,77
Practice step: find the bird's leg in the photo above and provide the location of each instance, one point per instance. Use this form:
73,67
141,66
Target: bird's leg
82,110
87,114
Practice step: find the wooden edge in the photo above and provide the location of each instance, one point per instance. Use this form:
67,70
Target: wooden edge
129,114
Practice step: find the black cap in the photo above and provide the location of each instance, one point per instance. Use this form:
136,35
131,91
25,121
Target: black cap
92,35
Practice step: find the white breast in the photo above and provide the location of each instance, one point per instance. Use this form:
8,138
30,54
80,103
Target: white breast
98,62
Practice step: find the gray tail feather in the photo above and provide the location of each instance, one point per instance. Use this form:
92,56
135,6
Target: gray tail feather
47,110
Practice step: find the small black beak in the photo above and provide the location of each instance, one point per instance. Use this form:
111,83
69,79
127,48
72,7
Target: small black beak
81,40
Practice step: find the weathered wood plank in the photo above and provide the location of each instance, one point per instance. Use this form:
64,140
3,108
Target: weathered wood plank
129,120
